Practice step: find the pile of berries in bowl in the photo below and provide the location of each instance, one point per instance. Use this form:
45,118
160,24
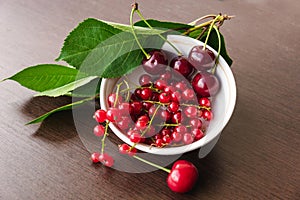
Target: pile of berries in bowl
172,104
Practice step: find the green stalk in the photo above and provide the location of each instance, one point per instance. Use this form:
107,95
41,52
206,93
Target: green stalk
104,137
162,37
219,50
152,164
209,30
134,34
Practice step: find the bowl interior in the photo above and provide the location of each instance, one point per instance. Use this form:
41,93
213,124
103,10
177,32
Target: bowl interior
223,103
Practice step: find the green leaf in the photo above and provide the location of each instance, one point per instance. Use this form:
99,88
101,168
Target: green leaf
67,88
179,27
137,29
88,90
65,107
118,55
45,77
83,39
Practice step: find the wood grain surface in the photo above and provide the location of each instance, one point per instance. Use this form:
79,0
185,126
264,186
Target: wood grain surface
257,156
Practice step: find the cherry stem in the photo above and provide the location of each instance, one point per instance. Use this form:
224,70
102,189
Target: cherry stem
209,30
152,164
193,23
162,37
219,49
133,10
104,137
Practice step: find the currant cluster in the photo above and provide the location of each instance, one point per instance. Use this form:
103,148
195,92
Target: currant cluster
171,104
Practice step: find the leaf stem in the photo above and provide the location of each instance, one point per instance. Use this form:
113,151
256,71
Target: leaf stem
193,23
152,164
133,10
162,37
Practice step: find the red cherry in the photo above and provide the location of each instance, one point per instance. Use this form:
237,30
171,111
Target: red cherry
204,102
147,105
95,157
182,65
106,160
99,130
182,177
205,84
100,116
156,64
135,107
201,59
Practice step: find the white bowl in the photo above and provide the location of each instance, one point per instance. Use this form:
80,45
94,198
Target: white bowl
223,106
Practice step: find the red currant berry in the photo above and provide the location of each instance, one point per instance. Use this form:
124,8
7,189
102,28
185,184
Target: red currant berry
166,76
124,108
164,97
188,138
159,143
181,86
146,93
176,137
190,111
160,84
169,89
99,130
145,79
135,137
180,129
151,131
156,64
204,102
141,125
135,107
177,117
106,160
188,94
165,131
95,157
165,115
113,115
166,139
126,149
173,106
207,115
112,98
195,123
198,134
100,116
182,177
176,96
147,105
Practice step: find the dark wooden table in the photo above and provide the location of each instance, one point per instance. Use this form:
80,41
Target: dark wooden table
257,156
